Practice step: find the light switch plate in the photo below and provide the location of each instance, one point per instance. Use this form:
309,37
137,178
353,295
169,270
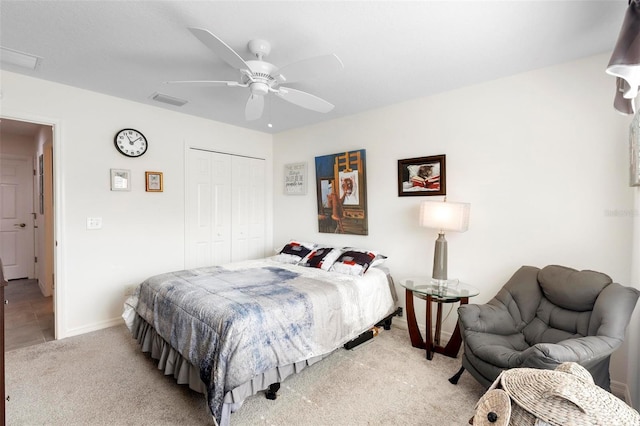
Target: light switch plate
94,223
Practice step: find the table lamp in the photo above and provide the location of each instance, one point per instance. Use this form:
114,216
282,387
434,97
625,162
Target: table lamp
443,216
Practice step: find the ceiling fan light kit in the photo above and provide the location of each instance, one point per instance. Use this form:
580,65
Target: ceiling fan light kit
262,77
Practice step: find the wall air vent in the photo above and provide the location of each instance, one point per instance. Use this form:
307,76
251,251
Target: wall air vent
160,97
20,59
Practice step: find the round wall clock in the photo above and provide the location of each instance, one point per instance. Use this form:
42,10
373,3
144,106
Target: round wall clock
130,142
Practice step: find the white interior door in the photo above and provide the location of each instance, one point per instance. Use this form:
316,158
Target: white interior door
16,220
208,209
221,208
248,211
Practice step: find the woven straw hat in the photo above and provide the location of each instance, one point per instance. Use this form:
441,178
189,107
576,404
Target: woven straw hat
565,396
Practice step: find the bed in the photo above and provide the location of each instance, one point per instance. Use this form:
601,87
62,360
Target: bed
232,331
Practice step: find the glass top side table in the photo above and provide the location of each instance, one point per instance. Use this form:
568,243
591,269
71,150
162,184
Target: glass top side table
435,292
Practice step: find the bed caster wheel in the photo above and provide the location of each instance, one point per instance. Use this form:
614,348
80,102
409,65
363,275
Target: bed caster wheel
272,391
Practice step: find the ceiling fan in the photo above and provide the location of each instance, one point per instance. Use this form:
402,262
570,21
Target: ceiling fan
262,77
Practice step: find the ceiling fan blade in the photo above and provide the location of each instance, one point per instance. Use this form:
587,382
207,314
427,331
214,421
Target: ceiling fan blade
304,99
208,83
220,48
318,66
255,105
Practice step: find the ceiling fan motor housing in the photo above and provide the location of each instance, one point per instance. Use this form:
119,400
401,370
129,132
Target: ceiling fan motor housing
261,77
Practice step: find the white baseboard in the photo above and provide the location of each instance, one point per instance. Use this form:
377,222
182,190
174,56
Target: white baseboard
43,288
621,390
401,322
93,327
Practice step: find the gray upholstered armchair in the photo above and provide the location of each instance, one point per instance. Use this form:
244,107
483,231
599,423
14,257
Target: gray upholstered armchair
544,317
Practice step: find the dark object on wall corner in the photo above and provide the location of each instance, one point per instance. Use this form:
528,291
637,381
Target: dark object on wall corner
625,60
3,283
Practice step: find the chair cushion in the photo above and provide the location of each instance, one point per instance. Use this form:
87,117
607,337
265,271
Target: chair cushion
572,289
497,350
553,324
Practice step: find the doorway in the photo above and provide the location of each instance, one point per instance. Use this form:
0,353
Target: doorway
17,224
27,220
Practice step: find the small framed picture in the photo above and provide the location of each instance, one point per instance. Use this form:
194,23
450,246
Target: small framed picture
422,176
120,180
153,181
295,179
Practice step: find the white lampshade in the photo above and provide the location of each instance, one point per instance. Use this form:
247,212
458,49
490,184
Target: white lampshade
445,215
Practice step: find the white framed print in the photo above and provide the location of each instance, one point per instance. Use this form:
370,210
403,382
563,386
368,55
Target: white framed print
120,180
295,179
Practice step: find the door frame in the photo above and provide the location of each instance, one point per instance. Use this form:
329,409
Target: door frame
58,213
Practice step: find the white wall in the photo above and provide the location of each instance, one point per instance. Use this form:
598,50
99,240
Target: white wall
24,146
143,232
634,329
542,158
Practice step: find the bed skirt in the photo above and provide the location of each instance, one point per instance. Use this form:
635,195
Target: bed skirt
172,363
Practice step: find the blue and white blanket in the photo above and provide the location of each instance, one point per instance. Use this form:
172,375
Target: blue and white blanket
237,321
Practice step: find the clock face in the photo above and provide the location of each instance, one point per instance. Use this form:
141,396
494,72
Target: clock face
130,142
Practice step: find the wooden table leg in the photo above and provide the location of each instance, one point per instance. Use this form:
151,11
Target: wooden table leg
436,338
429,343
453,346
432,343
412,324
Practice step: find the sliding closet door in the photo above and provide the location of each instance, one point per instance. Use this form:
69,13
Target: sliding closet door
247,213
208,209
225,208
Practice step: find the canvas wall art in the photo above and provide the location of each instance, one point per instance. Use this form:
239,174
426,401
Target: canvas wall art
342,193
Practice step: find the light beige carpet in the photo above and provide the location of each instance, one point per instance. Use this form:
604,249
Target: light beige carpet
102,378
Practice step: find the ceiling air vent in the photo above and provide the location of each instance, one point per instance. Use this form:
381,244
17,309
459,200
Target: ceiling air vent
160,97
20,59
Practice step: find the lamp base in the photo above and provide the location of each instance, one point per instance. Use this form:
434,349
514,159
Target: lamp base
440,259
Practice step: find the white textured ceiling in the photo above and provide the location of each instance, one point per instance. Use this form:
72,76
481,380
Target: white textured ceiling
392,51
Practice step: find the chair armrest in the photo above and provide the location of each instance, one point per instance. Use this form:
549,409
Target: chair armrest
487,318
586,351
